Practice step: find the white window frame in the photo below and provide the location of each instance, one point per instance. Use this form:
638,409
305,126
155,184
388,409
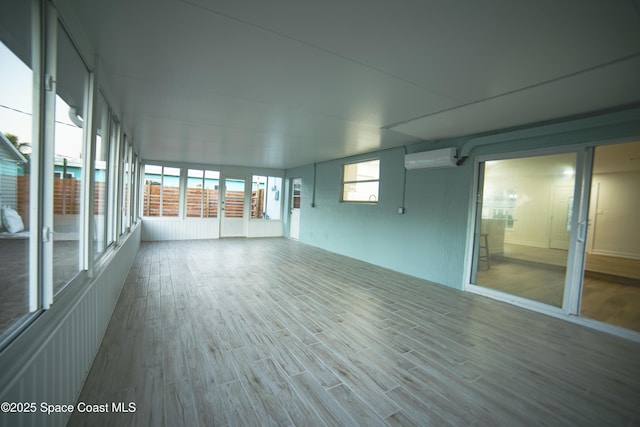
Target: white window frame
345,182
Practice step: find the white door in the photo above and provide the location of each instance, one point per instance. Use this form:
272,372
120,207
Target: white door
234,215
294,223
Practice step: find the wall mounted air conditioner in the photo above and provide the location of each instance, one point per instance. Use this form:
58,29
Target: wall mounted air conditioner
443,158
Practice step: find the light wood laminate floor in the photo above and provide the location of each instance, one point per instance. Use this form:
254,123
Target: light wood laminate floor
611,288
274,332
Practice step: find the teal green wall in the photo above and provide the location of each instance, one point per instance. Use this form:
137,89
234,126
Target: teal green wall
430,240
417,242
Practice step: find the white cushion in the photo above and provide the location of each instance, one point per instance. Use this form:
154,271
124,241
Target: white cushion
11,220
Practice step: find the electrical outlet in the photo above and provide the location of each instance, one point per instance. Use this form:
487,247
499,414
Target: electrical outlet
400,210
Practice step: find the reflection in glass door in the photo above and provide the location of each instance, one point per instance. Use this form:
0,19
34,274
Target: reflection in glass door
233,221
523,226
611,283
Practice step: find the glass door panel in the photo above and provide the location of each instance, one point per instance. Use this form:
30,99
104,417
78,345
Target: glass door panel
523,226
234,222
611,282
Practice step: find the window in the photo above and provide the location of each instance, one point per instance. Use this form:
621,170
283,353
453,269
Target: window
135,176
152,185
101,164
211,187
360,181
297,190
19,294
170,191
69,149
127,154
233,204
112,213
265,197
202,193
47,177
161,191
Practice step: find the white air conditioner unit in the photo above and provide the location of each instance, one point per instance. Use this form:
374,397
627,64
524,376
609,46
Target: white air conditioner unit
443,158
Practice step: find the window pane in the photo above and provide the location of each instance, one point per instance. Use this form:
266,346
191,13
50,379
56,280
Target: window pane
101,162
211,185
258,193
170,191
234,198
360,182
112,187
134,190
126,184
297,189
274,202
522,235
611,286
16,111
362,171
152,186
195,180
360,192
72,77
265,197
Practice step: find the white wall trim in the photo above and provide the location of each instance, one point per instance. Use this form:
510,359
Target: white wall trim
615,254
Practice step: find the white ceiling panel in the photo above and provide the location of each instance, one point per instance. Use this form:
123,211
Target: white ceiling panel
285,83
605,87
462,49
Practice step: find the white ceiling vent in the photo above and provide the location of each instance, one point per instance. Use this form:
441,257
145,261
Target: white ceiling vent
443,158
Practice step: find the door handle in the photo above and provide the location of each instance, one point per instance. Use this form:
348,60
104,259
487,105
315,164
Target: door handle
582,231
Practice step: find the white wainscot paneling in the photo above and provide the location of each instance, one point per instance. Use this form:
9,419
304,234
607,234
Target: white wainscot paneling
178,229
48,362
265,228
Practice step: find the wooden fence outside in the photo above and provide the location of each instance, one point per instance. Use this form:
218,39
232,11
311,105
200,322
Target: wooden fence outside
171,201
234,202
196,204
66,197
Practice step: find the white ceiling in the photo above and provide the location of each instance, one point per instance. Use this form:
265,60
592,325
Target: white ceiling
284,83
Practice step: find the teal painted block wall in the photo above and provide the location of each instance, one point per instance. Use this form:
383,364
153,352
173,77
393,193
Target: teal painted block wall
432,238
417,242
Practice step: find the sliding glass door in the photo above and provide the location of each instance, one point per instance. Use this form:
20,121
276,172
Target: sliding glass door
561,232
523,226
611,280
